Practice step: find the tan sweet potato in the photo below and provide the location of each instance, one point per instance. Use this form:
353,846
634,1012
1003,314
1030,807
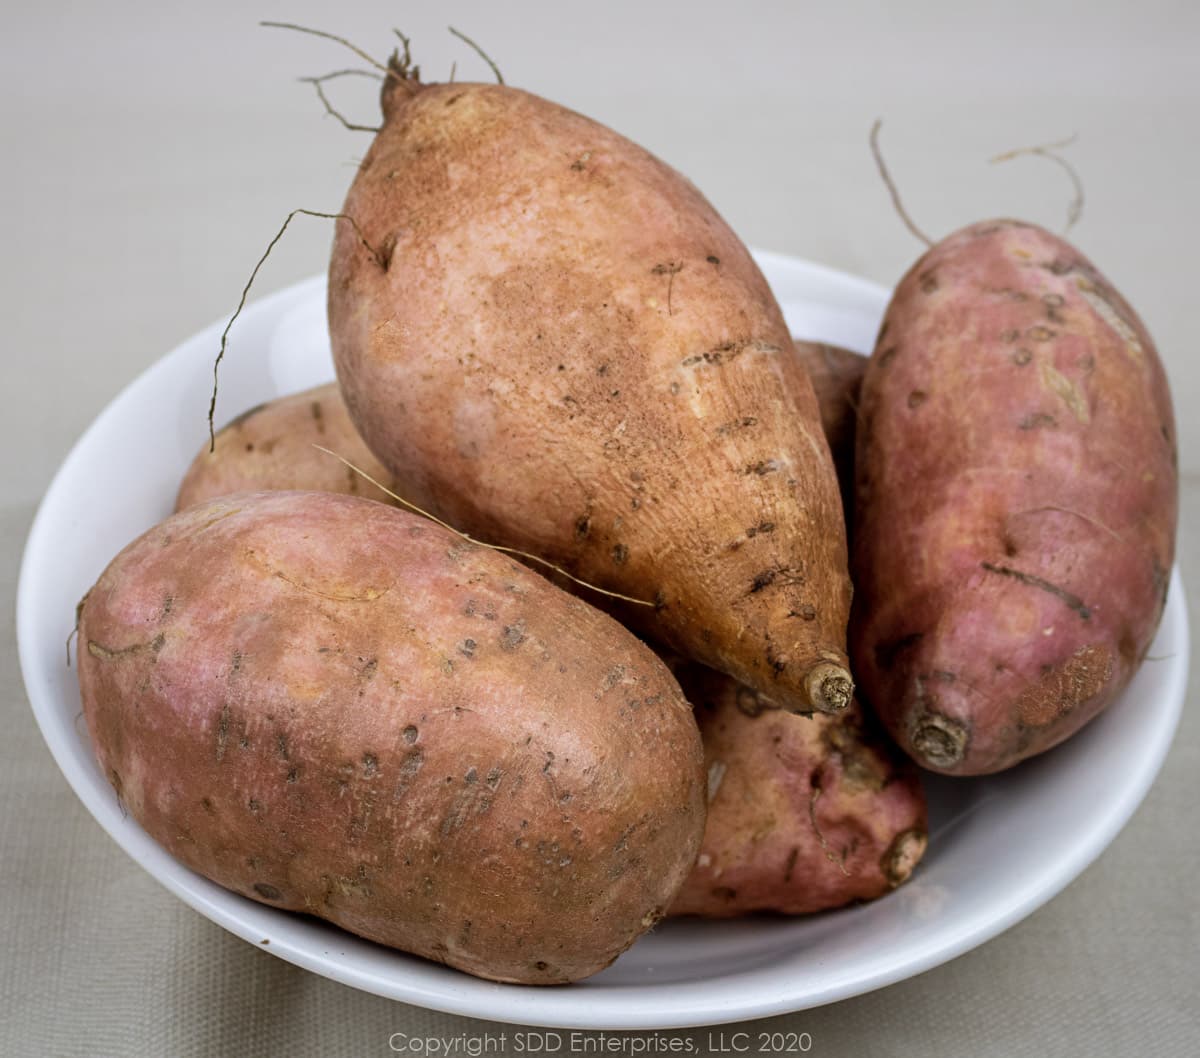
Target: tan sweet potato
836,375
577,357
332,706
1016,500
270,447
805,813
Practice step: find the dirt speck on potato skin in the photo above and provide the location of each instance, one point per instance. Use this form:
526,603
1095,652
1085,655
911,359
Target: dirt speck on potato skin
357,782
1014,527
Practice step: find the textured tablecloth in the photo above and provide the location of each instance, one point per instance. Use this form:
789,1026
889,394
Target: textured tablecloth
151,152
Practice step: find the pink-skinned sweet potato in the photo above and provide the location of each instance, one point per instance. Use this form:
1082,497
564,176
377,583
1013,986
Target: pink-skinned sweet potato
1016,498
332,706
270,447
574,355
805,813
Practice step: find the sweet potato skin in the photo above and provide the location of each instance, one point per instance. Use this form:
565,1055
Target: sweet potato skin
270,447
1016,500
331,706
805,813
836,375
579,358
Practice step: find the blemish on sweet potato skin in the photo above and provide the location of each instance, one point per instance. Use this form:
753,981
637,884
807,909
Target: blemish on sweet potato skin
329,763
1020,518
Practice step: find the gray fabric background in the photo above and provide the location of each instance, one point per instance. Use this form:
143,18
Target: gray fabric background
152,152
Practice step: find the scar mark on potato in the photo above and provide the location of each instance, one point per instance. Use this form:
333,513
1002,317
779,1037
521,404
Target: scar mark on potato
670,269
726,351
222,732
1110,313
1067,391
1036,419
410,767
366,594
928,282
512,637
620,554
104,653
267,892
761,468
903,855
790,864
1084,675
1072,601
744,422
781,576
830,855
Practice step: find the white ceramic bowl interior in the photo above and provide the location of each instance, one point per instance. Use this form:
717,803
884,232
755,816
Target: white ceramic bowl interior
999,846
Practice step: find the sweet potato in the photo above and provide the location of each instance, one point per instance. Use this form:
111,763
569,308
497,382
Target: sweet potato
332,706
805,813
1016,497
270,447
836,376
577,357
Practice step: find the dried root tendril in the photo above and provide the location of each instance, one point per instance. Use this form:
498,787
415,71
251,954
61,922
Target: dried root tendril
891,186
480,52
481,543
1050,152
331,36
380,259
318,82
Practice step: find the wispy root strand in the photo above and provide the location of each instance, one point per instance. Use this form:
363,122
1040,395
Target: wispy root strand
1050,152
891,186
380,259
318,84
481,543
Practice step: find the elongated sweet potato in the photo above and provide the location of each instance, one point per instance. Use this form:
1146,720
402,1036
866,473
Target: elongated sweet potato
1016,500
805,813
329,705
270,447
576,356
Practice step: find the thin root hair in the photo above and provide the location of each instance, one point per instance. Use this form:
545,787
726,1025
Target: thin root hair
378,257
1050,151
891,186
482,54
481,543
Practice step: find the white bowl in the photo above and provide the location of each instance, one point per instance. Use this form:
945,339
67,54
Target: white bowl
999,846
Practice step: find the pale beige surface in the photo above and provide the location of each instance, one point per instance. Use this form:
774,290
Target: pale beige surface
151,153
